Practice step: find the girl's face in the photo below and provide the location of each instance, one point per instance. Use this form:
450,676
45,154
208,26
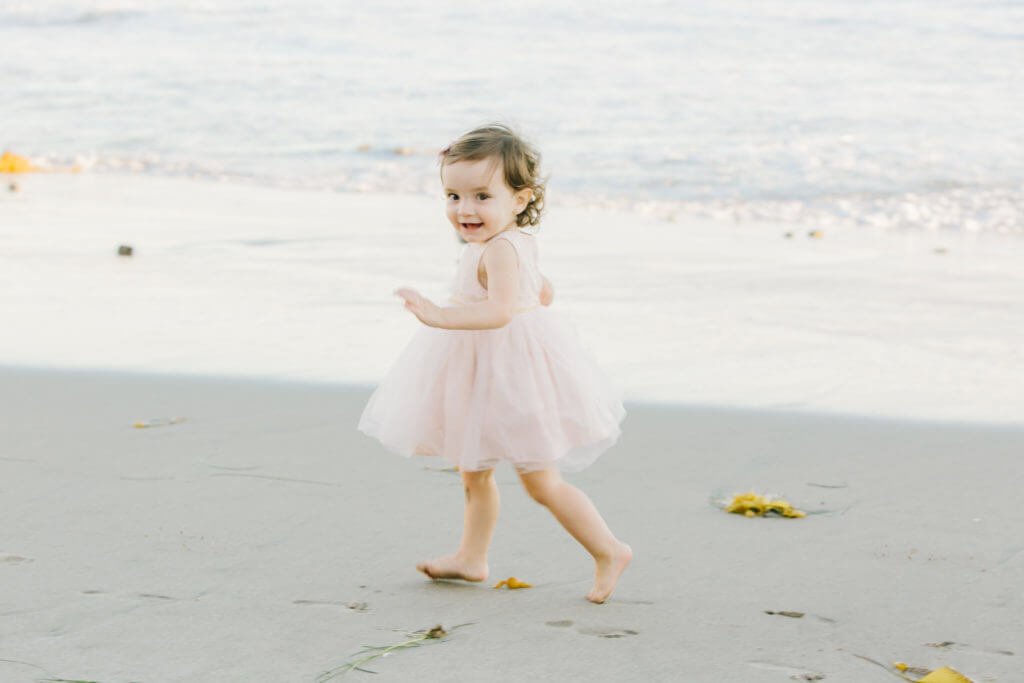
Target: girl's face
480,204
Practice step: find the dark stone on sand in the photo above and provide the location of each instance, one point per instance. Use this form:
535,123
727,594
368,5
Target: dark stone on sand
124,250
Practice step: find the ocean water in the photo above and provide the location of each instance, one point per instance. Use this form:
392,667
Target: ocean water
902,115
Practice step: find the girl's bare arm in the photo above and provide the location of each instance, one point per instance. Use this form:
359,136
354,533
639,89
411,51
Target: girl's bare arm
502,266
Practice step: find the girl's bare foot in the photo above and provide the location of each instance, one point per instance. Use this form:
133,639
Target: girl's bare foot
455,567
608,571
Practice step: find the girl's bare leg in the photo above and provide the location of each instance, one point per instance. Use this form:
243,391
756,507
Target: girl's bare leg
574,510
480,516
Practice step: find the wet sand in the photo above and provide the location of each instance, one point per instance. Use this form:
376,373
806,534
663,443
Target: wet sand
264,539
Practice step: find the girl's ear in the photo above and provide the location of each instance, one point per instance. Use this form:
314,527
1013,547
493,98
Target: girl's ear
523,198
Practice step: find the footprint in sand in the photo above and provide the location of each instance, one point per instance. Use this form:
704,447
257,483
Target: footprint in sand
246,468
350,606
949,644
608,632
145,596
15,559
794,673
600,633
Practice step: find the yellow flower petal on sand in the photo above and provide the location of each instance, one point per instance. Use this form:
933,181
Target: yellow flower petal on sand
513,582
945,675
900,665
752,505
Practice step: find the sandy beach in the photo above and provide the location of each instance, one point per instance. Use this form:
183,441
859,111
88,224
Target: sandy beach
264,539
870,378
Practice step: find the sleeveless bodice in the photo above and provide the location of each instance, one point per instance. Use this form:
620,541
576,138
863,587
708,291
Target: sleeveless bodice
466,289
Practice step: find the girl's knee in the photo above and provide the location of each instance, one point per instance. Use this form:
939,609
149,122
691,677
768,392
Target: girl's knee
541,494
541,485
471,480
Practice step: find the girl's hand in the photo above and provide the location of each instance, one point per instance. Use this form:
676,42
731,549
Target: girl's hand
423,308
547,292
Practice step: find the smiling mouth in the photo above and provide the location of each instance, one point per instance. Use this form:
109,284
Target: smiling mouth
471,226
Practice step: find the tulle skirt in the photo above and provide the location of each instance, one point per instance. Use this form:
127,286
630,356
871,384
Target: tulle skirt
528,393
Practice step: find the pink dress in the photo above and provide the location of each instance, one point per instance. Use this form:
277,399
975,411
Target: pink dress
527,393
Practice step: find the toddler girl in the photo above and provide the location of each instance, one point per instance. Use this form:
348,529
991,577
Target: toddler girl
496,375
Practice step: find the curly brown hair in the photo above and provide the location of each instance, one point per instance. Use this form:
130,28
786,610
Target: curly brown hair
519,159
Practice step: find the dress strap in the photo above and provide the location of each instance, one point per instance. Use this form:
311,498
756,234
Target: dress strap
508,238
506,235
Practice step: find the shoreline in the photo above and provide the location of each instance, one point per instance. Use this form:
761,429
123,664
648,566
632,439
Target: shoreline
134,375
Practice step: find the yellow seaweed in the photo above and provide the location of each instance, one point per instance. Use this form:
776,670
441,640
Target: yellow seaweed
513,582
12,163
945,675
752,505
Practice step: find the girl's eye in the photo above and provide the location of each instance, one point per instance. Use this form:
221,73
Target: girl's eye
453,196
482,196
